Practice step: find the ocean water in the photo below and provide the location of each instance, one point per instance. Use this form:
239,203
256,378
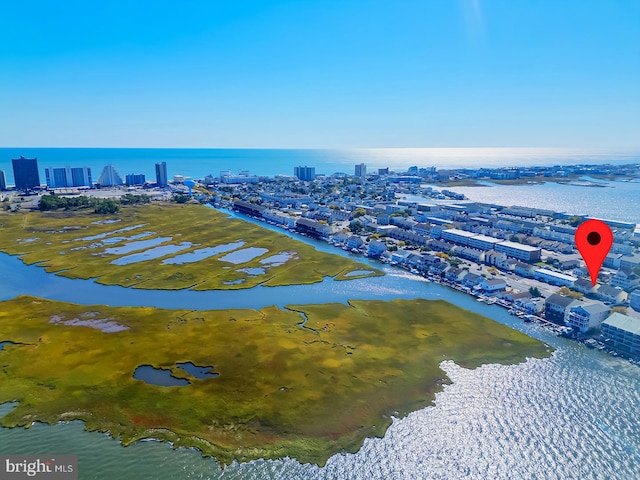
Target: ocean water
198,163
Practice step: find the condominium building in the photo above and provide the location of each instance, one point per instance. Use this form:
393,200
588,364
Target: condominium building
62,177
109,177
361,171
161,174
135,179
3,180
305,173
526,253
587,317
623,333
25,173
461,237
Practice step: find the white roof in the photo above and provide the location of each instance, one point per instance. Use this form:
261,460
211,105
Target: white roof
462,233
519,246
551,273
624,322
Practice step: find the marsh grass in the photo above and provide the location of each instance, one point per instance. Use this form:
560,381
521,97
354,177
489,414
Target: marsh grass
283,390
57,242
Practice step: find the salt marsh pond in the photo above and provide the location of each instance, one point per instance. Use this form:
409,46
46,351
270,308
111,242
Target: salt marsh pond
181,247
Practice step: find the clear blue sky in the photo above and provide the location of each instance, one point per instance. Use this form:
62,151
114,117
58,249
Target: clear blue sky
320,73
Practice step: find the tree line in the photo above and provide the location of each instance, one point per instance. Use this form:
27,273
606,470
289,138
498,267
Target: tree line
99,205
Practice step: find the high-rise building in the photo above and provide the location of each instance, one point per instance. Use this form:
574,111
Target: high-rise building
68,177
305,173
383,171
161,174
25,172
3,180
135,179
109,177
361,170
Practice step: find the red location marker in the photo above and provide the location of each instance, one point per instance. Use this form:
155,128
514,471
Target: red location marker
594,240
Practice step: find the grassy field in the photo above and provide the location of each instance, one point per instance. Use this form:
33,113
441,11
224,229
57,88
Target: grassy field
283,390
67,242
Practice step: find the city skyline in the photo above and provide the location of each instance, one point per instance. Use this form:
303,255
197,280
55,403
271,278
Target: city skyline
270,74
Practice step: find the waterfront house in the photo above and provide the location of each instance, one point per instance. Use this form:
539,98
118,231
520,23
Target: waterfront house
455,274
415,260
557,306
514,296
438,268
622,332
533,305
248,208
471,280
312,228
612,295
354,242
587,316
339,238
376,248
491,285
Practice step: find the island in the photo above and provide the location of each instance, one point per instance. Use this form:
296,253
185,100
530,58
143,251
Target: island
306,382
167,246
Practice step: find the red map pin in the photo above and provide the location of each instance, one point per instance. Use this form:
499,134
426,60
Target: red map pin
594,240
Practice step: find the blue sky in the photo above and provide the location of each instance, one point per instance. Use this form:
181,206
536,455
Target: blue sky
326,73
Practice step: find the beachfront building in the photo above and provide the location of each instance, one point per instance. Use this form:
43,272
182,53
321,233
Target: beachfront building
25,173
109,177
135,179
161,174
361,171
526,253
3,180
65,177
622,332
305,173
587,316
243,176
